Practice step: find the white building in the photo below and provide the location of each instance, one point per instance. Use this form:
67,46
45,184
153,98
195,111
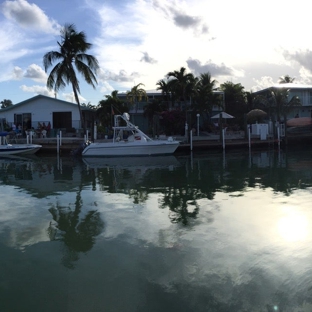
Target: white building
43,109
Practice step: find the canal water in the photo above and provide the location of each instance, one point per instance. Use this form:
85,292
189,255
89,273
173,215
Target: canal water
195,232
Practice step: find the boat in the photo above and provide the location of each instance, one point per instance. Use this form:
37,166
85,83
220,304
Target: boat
299,122
129,140
14,149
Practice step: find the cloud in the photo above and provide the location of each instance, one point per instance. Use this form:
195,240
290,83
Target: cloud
36,73
304,58
106,88
17,73
147,59
69,97
263,83
29,16
37,90
215,70
175,13
122,76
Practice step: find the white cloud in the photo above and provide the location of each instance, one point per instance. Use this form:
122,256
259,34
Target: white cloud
17,73
37,90
69,97
36,73
28,16
262,83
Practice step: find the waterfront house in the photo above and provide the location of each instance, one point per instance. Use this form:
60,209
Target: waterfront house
303,92
42,109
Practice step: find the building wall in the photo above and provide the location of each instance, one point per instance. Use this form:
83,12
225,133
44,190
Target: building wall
41,110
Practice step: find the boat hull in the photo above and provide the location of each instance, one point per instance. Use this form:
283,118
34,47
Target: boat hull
130,149
299,122
19,149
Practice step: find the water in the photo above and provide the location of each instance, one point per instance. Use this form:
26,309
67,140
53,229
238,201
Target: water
194,232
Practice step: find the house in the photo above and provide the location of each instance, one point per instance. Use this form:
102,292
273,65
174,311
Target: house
43,109
303,92
136,110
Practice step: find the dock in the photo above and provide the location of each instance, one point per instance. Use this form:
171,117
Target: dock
203,142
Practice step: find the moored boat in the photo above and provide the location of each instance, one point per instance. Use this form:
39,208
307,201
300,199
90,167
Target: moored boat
299,122
129,140
14,149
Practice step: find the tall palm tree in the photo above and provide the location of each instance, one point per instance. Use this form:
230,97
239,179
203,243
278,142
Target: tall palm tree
72,58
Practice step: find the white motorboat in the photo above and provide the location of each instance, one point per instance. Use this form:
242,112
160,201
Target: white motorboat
14,149
129,140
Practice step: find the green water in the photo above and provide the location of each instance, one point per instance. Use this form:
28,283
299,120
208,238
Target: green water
201,232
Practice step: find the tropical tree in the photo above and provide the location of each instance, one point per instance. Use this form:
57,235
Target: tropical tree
181,84
204,98
6,103
234,100
286,79
279,101
165,90
72,57
136,94
108,107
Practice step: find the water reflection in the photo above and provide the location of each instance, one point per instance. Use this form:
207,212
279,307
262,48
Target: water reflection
217,232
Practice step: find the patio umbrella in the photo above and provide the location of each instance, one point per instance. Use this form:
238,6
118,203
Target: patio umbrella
255,114
224,115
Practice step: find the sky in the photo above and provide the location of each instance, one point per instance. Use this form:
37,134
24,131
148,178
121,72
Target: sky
253,43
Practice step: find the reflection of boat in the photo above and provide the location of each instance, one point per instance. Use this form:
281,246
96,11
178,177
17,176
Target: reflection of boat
149,162
13,149
299,122
128,140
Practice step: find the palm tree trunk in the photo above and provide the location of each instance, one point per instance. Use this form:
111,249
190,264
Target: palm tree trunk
83,125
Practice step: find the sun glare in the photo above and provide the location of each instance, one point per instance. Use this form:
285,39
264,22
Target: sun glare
293,227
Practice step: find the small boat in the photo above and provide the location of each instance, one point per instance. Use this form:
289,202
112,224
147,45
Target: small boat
129,140
14,149
299,122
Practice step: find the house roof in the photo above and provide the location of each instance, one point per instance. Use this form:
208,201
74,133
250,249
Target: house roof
292,86
40,96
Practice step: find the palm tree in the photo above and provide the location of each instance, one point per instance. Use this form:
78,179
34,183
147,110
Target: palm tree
204,98
286,79
136,94
235,98
108,107
165,90
72,58
181,83
278,99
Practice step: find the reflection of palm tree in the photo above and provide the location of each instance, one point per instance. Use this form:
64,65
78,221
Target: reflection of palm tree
78,234
179,201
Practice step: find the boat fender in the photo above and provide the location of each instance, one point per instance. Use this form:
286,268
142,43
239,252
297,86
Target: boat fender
170,139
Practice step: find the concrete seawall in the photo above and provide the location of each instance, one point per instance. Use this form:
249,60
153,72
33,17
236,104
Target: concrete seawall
49,145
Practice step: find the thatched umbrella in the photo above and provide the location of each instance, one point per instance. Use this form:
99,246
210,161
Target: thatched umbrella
256,115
